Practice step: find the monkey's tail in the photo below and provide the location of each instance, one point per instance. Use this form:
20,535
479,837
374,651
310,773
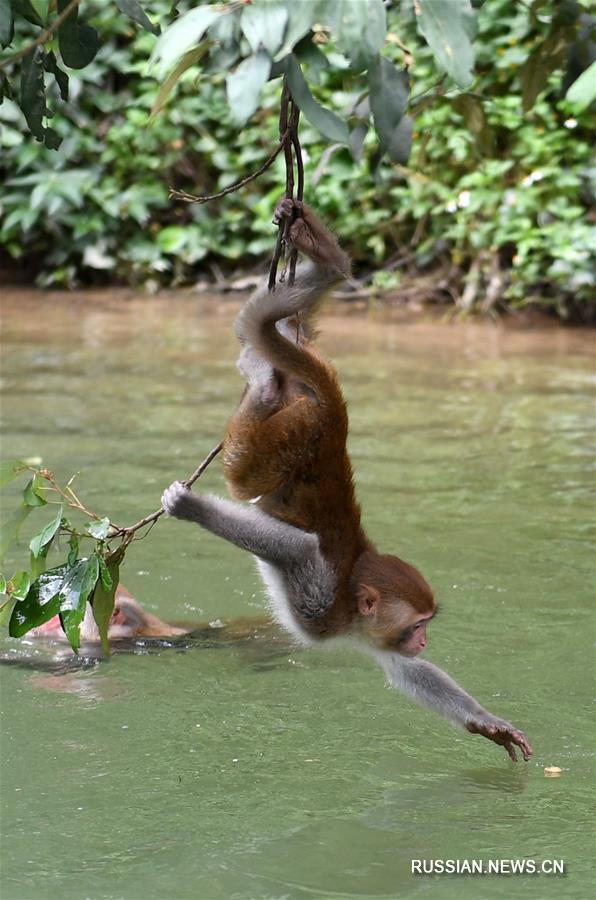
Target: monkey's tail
256,325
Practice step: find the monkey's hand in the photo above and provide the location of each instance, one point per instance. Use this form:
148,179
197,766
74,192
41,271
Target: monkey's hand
178,501
502,733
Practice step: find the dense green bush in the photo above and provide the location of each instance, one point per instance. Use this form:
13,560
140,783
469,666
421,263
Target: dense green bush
496,197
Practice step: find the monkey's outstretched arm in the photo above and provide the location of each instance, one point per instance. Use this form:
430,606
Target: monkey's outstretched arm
246,526
430,686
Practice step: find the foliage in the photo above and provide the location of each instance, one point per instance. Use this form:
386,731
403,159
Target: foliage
489,176
35,596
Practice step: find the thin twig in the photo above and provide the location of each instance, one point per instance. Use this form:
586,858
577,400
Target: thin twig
147,520
44,36
192,198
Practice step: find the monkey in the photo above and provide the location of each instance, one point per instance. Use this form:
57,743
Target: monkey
285,452
128,620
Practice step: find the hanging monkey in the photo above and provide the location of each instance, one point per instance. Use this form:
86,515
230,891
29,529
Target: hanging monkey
285,451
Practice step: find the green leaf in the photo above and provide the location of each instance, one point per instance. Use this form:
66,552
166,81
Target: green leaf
33,492
78,43
472,109
42,8
41,603
103,602
74,593
361,29
134,11
244,85
189,59
389,90
20,582
583,90
99,529
400,144
6,610
263,26
543,60
10,469
44,537
10,529
104,574
26,9
357,137
302,17
448,26
176,40
6,23
60,76
325,121
309,55
74,549
32,99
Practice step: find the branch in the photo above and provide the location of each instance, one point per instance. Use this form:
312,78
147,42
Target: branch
148,520
43,36
192,198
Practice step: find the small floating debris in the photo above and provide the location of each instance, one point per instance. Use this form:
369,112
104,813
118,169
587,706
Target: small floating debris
552,771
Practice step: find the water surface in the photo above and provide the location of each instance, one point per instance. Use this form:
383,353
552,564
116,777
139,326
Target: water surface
252,770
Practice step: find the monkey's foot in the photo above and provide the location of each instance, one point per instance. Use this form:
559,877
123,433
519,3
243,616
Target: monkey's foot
178,501
501,733
285,208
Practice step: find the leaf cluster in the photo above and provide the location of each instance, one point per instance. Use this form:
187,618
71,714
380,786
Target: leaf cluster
414,129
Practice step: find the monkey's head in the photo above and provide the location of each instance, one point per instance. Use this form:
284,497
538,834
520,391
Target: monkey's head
395,603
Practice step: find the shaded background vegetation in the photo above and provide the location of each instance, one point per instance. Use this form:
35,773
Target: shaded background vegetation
494,202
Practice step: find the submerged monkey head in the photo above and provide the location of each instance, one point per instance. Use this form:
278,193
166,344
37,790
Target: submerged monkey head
395,603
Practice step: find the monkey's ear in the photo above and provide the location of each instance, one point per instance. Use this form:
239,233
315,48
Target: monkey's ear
368,598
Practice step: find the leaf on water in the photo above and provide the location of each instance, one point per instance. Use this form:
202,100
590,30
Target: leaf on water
37,543
325,121
10,469
78,43
245,84
181,36
448,27
134,11
263,26
389,91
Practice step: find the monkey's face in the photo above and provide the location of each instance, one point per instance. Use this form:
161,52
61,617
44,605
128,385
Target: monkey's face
394,624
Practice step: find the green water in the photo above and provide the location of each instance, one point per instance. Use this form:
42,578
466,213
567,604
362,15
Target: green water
257,770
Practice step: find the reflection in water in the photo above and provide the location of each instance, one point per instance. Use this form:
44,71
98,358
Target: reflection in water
256,769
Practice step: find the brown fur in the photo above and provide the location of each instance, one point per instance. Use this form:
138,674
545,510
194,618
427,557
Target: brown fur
293,456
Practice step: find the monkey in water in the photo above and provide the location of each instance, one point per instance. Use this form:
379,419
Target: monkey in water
285,452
